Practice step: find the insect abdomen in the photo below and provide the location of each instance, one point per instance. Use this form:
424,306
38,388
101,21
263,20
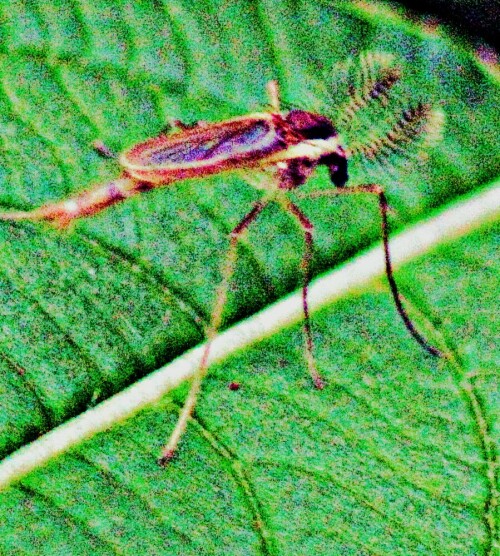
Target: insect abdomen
85,204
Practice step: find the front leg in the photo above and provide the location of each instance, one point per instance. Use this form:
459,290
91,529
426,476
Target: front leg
377,190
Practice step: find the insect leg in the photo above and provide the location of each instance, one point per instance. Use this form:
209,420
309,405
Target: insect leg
215,321
273,94
101,148
307,228
377,190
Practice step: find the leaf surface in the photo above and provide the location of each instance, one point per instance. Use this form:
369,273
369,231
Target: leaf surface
396,455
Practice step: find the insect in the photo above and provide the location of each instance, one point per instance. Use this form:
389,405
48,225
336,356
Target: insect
286,146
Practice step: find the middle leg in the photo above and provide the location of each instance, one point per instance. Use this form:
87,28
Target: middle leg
307,228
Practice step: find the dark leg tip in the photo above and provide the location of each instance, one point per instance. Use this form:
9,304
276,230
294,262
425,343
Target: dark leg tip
319,383
166,458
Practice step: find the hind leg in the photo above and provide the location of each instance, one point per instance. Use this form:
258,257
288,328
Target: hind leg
168,451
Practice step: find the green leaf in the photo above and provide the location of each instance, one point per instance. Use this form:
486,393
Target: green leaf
397,454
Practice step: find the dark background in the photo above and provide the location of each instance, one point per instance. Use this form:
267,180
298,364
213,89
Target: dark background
473,19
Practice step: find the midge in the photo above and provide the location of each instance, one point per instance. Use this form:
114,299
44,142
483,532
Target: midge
287,146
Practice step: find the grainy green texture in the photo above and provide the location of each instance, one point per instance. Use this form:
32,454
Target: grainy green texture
392,457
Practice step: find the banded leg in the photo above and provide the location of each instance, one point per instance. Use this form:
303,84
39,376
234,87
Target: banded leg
168,451
307,228
377,190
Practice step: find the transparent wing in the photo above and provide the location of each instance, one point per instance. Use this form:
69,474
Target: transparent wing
237,139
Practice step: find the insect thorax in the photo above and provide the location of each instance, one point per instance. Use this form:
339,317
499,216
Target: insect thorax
310,125
318,132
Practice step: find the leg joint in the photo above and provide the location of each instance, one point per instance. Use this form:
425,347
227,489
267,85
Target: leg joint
247,220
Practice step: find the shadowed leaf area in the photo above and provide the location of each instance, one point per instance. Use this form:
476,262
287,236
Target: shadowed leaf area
396,455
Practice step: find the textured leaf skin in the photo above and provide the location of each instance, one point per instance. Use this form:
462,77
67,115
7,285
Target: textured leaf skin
390,458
